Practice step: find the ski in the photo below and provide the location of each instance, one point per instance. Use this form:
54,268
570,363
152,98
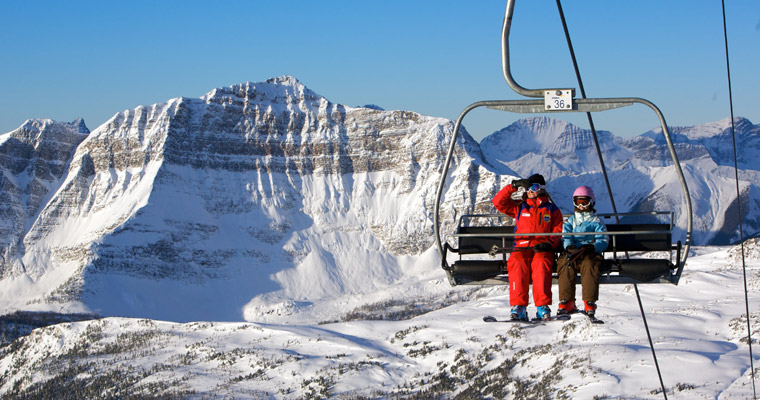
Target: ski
533,321
537,321
489,318
593,319
564,317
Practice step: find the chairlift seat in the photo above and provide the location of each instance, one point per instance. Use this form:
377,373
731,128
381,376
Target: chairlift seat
640,269
643,269
644,238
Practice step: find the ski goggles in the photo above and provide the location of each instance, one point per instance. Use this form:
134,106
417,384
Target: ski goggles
536,187
581,201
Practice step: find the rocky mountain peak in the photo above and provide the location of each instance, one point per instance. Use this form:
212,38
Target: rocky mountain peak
37,132
282,91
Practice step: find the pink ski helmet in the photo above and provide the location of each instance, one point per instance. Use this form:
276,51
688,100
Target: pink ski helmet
581,192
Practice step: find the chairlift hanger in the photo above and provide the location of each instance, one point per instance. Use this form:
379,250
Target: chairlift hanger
495,238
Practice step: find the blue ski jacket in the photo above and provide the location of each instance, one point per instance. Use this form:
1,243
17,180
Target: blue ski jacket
585,222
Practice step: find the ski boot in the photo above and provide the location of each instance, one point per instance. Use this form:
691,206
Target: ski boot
566,307
590,308
519,313
543,312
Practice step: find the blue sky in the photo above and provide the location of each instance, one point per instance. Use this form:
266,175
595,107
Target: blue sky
92,59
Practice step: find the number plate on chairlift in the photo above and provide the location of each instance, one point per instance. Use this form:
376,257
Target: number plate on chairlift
558,99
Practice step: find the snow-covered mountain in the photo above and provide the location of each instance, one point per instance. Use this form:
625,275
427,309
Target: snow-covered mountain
267,202
640,171
257,199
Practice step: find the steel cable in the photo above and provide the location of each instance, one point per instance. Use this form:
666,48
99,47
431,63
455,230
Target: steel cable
606,181
739,203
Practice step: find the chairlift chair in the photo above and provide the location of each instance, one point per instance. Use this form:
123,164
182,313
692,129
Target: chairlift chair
485,240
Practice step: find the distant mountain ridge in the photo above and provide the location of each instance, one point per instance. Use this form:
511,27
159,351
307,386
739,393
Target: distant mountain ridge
263,201
640,169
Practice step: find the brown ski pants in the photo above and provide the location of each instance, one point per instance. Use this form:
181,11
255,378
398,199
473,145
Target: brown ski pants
588,265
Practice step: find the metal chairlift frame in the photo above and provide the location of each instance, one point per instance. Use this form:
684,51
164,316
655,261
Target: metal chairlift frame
543,105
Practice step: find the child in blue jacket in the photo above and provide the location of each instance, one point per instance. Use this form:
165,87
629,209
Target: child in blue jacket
583,253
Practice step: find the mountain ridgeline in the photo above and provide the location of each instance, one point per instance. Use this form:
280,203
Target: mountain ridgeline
260,199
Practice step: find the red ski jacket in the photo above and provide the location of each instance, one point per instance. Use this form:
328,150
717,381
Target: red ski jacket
537,215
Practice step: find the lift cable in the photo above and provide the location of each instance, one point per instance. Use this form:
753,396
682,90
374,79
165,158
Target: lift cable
588,114
607,182
739,203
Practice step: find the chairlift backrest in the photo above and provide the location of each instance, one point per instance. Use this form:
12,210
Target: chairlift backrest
658,237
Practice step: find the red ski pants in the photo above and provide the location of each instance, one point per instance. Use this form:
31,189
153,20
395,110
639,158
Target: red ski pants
525,265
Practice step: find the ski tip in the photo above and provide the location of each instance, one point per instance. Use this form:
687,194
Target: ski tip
593,319
489,318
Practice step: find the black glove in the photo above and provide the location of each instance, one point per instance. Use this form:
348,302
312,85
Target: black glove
543,247
520,183
588,247
570,248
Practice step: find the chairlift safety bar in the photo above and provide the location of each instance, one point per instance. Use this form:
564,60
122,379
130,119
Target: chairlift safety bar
601,215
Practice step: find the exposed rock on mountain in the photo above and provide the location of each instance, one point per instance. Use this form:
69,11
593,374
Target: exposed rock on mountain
33,159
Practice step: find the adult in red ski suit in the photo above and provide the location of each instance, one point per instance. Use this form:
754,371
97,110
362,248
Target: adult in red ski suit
535,213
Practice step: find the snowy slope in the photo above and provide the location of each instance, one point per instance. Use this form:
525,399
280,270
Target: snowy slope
697,328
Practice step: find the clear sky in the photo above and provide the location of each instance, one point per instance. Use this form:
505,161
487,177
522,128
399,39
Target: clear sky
68,59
